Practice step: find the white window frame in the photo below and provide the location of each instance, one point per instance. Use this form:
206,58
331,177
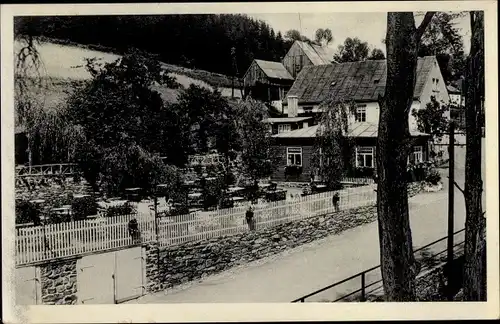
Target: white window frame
360,111
418,154
283,128
364,154
294,154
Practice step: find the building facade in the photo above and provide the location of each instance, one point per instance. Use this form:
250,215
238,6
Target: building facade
296,150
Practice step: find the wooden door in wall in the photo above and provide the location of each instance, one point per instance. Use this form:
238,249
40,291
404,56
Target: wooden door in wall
95,280
130,274
27,286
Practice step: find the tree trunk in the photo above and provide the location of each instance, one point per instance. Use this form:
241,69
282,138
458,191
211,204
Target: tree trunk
398,264
475,243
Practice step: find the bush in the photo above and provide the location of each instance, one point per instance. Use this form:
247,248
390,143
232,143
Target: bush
433,177
27,212
125,209
83,207
276,195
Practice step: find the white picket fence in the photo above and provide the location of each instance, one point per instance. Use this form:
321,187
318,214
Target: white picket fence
40,243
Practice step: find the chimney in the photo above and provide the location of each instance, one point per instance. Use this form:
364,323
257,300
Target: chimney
293,103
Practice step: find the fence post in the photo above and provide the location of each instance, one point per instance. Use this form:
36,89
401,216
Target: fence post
451,191
363,298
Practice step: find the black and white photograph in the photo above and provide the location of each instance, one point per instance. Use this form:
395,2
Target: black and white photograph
241,157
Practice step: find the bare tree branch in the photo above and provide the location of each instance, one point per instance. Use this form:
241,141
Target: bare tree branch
423,25
458,187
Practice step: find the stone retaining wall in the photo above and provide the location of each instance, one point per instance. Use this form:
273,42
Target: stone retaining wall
58,280
190,261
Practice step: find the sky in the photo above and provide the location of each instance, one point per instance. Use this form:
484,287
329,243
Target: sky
367,26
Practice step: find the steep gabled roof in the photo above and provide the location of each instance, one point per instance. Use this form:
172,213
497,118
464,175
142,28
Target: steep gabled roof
318,55
360,81
274,70
357,129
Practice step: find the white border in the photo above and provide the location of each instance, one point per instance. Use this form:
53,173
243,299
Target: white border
249,312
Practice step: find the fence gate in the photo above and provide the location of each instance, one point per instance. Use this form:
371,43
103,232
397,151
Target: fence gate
28,290
95,279
129,274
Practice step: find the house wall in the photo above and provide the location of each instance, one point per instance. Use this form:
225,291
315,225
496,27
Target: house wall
253,75
295,60
307,145
440,92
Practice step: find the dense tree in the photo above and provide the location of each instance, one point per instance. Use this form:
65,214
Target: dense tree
377,54
442,39
323,36
475,242
354,50
432,119
117,118
257,155
206,44
398,264
332,147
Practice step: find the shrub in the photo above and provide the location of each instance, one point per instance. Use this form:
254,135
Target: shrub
27,212
276,195
433,177
125,209
83,207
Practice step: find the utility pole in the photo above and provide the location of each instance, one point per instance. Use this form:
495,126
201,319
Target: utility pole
233,58
451,189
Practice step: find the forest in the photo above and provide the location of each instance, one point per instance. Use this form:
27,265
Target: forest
202,42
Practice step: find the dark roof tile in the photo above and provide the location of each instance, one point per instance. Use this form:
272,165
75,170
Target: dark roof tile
361,81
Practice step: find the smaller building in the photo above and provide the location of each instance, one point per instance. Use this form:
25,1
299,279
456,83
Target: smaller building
302,54
296,149
267,81
287,124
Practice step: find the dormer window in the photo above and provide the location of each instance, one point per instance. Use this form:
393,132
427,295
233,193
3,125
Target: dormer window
361,113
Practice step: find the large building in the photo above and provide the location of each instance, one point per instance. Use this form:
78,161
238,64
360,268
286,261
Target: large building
359,83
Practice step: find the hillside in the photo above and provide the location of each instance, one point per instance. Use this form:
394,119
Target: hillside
199,43
65,60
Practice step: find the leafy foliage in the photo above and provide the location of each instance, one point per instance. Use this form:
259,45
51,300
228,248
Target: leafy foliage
323,36
433,177
257,155
442,39
83,207
119,120
354,50
332,147
27,212
432,119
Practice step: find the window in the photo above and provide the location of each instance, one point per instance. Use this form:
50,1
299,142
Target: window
284,128
435,84
294,156
364,156
418,154
361,113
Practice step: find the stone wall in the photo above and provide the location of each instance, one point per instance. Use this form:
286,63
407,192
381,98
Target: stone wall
58,281
194,260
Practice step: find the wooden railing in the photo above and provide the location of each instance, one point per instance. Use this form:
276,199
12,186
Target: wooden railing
45,170
207,159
